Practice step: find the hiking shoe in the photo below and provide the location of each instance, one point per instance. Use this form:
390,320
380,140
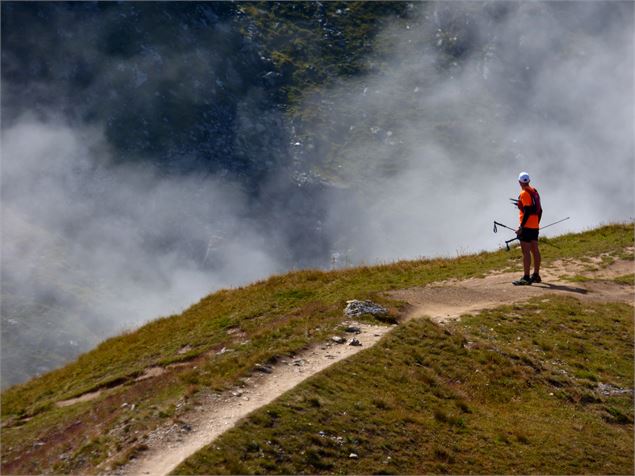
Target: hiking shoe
524,281
535,278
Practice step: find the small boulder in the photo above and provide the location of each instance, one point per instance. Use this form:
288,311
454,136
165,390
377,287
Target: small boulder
355,343
338,340
263,368
186,428
356,308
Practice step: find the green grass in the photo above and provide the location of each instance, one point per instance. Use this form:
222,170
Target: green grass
509,391
259,323
627,279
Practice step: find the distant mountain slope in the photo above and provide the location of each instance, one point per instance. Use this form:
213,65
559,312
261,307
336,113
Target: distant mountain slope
182,84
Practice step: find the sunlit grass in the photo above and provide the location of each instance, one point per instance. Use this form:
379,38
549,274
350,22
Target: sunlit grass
513,390
257,324
627,279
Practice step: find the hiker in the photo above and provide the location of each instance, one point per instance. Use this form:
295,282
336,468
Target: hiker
530,214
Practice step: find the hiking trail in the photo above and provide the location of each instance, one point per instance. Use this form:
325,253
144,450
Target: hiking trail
169,445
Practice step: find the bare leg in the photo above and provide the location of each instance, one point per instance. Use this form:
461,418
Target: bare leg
535,251
526,247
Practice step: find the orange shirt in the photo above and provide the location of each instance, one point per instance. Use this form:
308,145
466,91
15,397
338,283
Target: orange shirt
525,199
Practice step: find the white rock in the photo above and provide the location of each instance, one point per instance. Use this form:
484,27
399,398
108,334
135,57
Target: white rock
356,308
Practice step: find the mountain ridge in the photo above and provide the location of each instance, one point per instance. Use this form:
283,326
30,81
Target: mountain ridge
272,319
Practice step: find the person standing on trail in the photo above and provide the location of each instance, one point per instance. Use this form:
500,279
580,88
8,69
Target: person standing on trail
530,215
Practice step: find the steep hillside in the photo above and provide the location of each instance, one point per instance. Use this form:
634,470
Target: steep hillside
544,387
154,151
557,365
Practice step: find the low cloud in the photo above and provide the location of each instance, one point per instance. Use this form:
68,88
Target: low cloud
90,247
435,143
153,240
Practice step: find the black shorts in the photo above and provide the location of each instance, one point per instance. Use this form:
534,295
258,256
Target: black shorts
528,234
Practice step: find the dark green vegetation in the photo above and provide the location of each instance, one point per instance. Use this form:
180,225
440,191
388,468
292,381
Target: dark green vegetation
178,84
523,389
313,44
260,323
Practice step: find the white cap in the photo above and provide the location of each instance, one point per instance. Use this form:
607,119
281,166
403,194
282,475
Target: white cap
523,177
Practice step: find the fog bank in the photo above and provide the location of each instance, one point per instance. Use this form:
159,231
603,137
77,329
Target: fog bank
435,144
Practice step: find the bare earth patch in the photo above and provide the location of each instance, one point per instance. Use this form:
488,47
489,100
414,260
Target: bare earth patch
150,373
82,398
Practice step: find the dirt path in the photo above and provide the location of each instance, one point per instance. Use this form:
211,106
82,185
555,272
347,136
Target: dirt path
169,446
451,299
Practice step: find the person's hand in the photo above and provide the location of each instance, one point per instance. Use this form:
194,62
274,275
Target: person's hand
519,231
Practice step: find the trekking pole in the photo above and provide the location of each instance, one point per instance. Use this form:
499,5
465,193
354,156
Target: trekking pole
554,223
497,224
500,224
542,228
509,241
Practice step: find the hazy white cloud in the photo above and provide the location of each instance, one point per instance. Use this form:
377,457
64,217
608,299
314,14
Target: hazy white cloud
146,244
544,88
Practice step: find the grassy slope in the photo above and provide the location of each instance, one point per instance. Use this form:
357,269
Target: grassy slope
267,319
508,391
